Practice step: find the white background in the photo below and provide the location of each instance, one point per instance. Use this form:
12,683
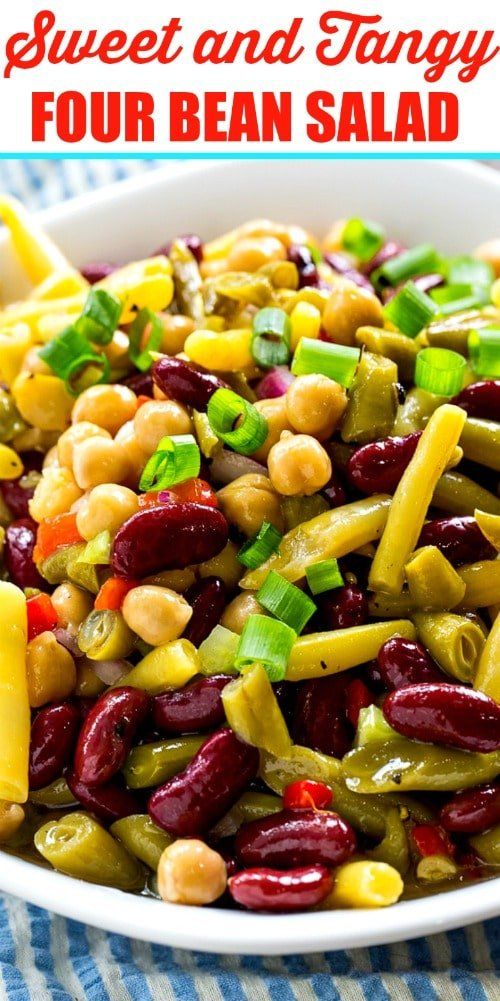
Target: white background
479,99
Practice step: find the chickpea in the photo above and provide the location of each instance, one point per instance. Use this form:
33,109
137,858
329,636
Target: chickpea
107,406
315,404
298,464
348,308
136,455
225,565
50,670
54,493
252,253
237,612
159,418
34,364
176,580
43,401
248,501
175,329
105,508
11,818
100,460
490,252
189,872
275,412
157,614
88,685
51,460
71,604
74,436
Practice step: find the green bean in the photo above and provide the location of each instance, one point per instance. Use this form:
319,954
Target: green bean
11,422
487,845
281,274
459,495
243,288
373,400
317,655
251,806
104,635
432,581
452,640
407,765
397,347
297,510
480,441
151,764
143,839
252,711
414,413
187,281
394,848
78,846
55,796
453,331
300,763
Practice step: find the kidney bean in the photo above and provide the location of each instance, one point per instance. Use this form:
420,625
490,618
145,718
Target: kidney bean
343,266
389,250
15,495
296,837
481,399
405,662
95,271
141,383
379,466
185,382
335,491
273,890
107,733
193,243
207,599
192,802
358,697
320,720
108,802
472,810
168,537
460,539
344,607
445,714
192,709
53,736
20,540
423,282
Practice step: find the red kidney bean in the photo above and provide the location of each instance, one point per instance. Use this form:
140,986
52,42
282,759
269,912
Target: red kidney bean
378,467
481,399
445,714
207,599
273,890
358,697
335,491
343,266
423,282
108,802
320,720
473,810
192,709
14,494
460,539
186,382
193,243
141,383
107,733
95,271
168,537
405,662
53,736
192,802
390,249
20,540
344,607
296,837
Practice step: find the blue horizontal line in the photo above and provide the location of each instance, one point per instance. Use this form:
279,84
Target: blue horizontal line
158,155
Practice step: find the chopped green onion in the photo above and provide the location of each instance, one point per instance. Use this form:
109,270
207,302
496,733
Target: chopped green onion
362,238
468,271
417,261
285,601
257,550
484,351
315,252
218,651
236,421
61,352
324,576
268,642
176,459
337,361
440,371
100,316
88,370
271,330
410,310
97,552
139,350
456,298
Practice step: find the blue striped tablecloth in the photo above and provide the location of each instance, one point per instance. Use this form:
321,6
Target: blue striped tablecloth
44,956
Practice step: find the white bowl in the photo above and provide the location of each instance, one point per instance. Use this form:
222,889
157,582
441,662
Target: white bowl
453,205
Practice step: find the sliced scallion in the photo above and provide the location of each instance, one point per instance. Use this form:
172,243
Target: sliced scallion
257,550
176,459
484,351
440,371
271,330
100,316
468,271
417,261
285,601
63,351
410,310
236,421
324,576
268,642
337,361
85,371
362,238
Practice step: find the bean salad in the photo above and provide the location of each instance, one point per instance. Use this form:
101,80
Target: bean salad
250,590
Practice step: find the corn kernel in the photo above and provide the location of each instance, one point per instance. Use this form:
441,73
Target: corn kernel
365,884
14,343
59,285
43,401
141,284
31,311
305,321
224,352
11,467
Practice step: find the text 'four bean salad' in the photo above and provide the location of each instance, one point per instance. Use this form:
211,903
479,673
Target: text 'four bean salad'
250,594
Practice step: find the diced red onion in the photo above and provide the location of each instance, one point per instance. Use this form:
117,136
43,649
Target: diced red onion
97,270
390,249
68,640
227,466
166,497
110,671
274,383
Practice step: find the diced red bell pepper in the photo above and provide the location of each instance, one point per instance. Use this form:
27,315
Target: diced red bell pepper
429,839
113,592
193,491
54,533
41,615
307,794
143,399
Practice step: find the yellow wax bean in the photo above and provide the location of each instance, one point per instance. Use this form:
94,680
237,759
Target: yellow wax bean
320,654
413,497
31,311
480,441
169,666
11,467
482,584
228,351
331,534
487,678
14,705
432,581
59,285
490,526
487,845
39,255
365,884
15,341
457,494
455,642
